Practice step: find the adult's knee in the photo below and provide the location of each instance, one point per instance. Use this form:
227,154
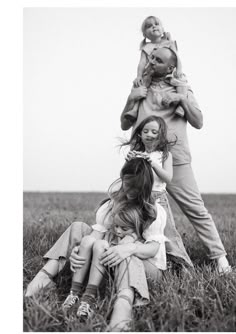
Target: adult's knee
79,229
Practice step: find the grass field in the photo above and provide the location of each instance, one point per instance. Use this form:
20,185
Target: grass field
199,302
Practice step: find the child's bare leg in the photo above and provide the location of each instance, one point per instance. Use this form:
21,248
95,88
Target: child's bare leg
97,270
88,300
77,286
85,251
122,311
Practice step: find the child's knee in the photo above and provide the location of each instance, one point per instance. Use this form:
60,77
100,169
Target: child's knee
100,246
87,242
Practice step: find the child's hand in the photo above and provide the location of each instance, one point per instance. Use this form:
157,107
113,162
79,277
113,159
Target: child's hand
147,157
174,99
167,36
138,93
131,155
138,82
76,261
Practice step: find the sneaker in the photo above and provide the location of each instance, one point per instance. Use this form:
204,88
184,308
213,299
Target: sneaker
71,299
85,311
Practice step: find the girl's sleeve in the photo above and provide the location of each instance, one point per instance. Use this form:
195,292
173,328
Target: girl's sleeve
102,217
155,232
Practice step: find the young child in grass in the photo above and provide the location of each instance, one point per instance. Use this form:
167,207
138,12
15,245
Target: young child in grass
153,30
150,142
125,228
134,262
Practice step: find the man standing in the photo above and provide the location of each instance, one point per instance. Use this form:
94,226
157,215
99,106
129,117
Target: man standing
161,99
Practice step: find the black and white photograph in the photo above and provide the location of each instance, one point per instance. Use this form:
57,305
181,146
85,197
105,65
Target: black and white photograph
129,189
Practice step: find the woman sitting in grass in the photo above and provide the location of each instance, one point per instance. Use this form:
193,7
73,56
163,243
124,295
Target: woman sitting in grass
133,262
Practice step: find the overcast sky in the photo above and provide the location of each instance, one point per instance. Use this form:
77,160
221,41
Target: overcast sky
79,64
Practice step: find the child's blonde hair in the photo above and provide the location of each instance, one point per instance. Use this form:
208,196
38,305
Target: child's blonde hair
129,218
144,27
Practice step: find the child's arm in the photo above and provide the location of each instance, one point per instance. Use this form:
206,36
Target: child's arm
165,173
141,66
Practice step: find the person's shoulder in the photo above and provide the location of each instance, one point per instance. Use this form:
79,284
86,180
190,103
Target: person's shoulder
104,206
156,154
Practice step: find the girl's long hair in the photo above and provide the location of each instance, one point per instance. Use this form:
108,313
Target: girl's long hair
144,27
138,176
162,143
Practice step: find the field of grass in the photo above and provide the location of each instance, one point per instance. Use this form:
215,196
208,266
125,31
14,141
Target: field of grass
200,302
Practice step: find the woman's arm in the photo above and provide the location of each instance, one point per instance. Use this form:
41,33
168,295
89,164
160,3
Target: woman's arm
129,238
116,254
165,173
145,251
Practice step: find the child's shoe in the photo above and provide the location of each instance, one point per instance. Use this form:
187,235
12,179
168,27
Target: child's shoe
86,308
70,301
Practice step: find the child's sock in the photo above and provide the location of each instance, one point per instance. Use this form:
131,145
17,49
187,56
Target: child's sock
91,290
77,288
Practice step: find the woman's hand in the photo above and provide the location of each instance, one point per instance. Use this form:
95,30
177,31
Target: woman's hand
76,261
116,254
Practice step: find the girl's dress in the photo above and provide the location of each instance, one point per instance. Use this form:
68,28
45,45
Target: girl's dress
132,272
174,244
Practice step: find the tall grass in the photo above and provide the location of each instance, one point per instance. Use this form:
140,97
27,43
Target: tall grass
196,301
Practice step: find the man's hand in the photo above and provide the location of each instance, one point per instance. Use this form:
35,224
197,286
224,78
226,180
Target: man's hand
116,254
138,93
172,98
76,261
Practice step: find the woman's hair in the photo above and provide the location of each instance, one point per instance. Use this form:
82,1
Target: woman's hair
130,217
162,143
138,176
144,27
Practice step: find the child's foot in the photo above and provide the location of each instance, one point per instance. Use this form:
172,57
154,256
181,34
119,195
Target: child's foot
71,299
223,266
86,308
40,281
